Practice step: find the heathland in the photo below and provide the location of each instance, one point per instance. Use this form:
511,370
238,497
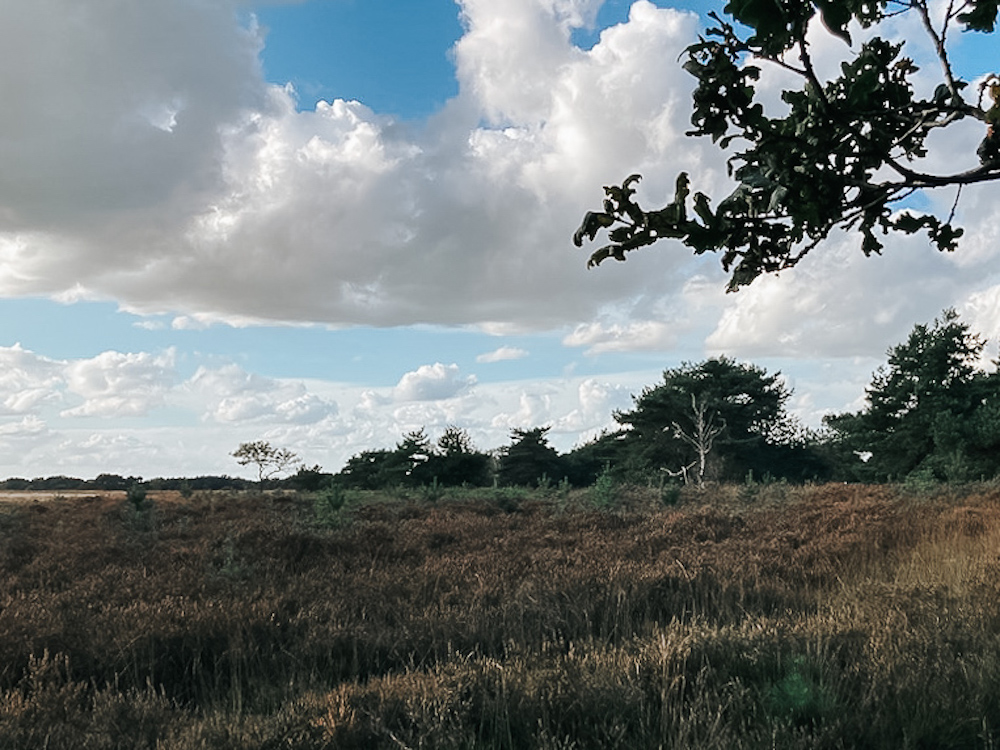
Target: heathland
741,616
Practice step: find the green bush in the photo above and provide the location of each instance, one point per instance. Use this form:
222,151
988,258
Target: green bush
602,494
328,504
136,494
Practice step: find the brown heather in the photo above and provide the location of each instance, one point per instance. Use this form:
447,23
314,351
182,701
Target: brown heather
743,617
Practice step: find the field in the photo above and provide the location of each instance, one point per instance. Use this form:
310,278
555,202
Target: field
742,617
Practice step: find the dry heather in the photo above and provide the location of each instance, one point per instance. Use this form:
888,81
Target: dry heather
819,617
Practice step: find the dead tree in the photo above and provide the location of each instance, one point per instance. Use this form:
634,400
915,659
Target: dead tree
702,438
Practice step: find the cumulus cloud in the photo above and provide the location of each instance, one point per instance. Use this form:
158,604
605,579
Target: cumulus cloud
147,160
640,335
115,111
596,402
433,383
27,380
176,179
115,450
114,384
191,425
503,354
204,417
575,410
839,303
534,410
230,394
30,426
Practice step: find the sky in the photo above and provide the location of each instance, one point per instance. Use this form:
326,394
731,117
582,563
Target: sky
330,222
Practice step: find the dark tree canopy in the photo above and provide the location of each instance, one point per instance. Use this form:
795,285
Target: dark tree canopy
415,462
529,459
930,410
403,466
456,461
742,403
843,155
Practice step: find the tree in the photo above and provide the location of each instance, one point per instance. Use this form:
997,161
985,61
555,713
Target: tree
845,154
931,409
455,461
408,463
115,481
455,441
529,459
704,430
310,478
588,461
720,417
404,466
270,461
366,470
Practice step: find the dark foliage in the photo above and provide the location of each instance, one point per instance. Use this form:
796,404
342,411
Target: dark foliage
747,409
842,155
529,459
415,462
931,411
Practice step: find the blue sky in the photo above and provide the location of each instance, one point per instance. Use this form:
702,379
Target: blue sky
325,223
322,49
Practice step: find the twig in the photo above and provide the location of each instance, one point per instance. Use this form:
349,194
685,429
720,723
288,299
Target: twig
954,206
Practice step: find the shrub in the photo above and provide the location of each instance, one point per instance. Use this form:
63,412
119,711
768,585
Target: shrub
603,492
328,504
136,494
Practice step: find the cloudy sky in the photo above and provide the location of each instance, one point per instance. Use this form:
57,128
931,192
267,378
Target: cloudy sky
325,223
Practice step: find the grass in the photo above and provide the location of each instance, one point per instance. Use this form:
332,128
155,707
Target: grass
817,617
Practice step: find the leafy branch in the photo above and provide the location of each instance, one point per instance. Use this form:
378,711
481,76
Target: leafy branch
825,164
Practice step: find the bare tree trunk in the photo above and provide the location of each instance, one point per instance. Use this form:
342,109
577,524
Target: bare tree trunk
702,437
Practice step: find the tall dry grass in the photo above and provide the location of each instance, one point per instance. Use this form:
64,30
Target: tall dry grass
744,617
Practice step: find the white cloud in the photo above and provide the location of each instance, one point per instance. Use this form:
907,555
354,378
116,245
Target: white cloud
371,400
839,303
189,323
192,186
28,426
575,409
27,381
113,384
205,417
229,394
639,335
432,383
596,402
117,111
22,444
534,410
150,325
114,450
306,408
157,167
503,354
192,425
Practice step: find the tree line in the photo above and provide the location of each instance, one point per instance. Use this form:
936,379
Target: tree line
113,482
931,412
